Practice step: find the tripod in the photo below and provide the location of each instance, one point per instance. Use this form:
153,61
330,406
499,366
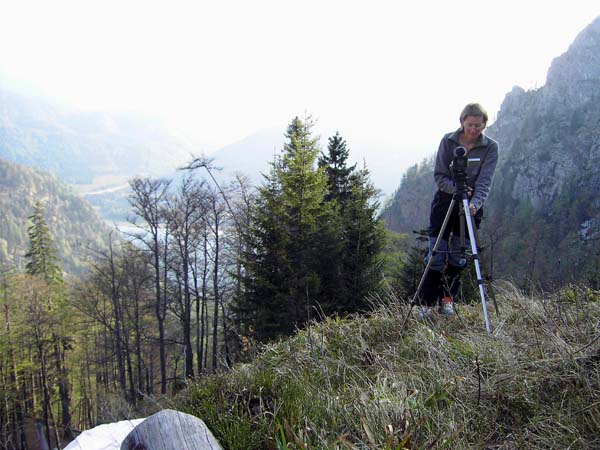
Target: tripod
460,195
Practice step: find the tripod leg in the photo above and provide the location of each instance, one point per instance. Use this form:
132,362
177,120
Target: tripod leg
456,258
434,250
429,262
491,286
471,229
462,213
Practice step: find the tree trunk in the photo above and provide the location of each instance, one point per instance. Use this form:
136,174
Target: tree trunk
205,301
48,414
129,366
138,345
199,318
160,317
187,314
118,317
216,293
63,387
16,411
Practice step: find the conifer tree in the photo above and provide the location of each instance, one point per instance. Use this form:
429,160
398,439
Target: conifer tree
303,193
337,170
263,309
361,234
363,242
410,273
286,238
42,254
314,242
43,264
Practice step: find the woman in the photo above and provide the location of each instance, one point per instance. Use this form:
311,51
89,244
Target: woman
442,281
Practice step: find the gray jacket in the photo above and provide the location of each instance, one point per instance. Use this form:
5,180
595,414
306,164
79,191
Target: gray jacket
479,176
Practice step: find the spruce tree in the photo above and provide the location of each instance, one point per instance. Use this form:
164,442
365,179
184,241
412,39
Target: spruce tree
262,310
288,239
361,234
43,264
42,254
337,170
303,194
364,239
410,273
314,242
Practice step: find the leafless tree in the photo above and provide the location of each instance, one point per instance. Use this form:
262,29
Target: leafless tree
148,200
186,213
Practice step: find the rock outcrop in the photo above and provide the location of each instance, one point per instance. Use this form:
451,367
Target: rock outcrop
550,137
544,207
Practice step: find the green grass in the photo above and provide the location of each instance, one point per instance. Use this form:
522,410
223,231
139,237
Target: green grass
361,383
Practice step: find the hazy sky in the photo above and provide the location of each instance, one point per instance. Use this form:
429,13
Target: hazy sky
382,70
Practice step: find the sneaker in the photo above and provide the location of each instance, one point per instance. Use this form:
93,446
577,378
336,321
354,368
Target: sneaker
425,313
446,307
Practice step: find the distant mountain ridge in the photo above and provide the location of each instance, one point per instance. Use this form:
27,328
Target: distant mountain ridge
253,154
79,146
97,153
75,227
545,195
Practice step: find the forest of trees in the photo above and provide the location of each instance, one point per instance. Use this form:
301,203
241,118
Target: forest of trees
74,225
205,272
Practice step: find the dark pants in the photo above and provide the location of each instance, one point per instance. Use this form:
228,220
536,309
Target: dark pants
449,260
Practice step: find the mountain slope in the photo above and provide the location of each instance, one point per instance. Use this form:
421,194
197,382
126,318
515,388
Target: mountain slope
250,155
408,210
552,136
544,210
253,154
75,227
80,146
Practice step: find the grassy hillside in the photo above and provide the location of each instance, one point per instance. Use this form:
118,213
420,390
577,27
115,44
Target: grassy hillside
365,384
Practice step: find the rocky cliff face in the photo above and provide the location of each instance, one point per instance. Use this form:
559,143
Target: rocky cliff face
409,209
545,201
575,73
551,137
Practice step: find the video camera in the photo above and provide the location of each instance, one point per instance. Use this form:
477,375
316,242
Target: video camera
459,163
458,167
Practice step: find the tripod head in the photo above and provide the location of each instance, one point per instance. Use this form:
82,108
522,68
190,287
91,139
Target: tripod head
458,167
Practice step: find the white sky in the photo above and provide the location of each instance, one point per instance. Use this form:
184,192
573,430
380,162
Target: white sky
382,70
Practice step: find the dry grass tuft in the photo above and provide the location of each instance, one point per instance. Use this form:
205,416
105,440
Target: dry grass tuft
361,384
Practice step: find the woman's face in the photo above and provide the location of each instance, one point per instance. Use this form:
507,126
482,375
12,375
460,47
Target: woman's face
473,126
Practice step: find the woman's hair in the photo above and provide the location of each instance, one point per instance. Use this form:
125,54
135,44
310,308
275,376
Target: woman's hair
474,109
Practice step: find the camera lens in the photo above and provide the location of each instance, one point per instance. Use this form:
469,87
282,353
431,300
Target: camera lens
460,151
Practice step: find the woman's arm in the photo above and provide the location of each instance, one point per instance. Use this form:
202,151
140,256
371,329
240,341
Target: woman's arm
441,173
486,175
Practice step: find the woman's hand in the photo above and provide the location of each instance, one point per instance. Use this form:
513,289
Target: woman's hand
472,208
